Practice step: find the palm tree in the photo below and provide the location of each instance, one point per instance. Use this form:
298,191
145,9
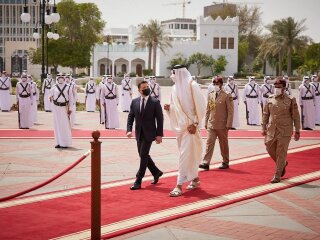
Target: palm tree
143,40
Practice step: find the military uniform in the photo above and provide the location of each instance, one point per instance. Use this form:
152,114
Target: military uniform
279,115
218,120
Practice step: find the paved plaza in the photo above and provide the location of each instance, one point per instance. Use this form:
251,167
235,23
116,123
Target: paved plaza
293,213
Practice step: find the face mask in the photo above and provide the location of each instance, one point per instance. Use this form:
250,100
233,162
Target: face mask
173,77
146,91
216,88
278,91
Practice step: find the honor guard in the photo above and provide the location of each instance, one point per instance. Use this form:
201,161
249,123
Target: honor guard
46,86
288,85
307,104
279,115
210,87
98,96
90,95
126,84
35,93
232,88
110,99
155,88
73,106
266,90
24,98
62,98
316,84
5,90
251,98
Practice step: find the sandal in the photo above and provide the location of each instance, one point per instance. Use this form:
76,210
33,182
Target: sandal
193,185
176,192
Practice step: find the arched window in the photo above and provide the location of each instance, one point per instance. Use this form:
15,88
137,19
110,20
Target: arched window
102,69
139,70
123,68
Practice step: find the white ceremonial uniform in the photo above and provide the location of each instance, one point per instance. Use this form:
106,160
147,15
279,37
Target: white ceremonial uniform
90,96
307,101
73,107
316,85
210,89
34,107
110,98
155,89
266,90
288,90
187,105
46,86
251,95
234,91
5,89
62,97
126,99
24,98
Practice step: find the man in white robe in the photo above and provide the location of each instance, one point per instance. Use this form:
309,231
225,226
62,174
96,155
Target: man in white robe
232,88
155,88
24,98
251,98
210,87
46,86
307,104
288,90
5,90
98,96
266,90
62,97
110,99
90,95
186,110
35,99
73,107
316,84
126,100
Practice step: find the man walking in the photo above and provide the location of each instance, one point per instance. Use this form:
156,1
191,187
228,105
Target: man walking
218,121
147,113
186,110
279,115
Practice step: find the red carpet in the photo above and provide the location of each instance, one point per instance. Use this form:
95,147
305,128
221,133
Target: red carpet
62,216
122,133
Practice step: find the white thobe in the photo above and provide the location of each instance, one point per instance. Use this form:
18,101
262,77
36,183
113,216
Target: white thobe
110,97
317,100
190,145
72,106
24,98
46,86
34,107
101,109
155,91
61,121
5,89
307,101
288,90
252,97
234,91
126,94
90,96
265,91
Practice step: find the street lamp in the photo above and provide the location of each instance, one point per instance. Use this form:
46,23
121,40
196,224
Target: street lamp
46,18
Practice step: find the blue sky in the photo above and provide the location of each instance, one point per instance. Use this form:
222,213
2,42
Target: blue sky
122,13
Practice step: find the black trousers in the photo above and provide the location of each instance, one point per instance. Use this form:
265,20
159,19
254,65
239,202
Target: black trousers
145,159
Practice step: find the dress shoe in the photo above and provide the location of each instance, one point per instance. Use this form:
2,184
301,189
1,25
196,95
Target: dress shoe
57,146
204,166
284,169
156,177
135,186
224,166
275,180
63,147
233,129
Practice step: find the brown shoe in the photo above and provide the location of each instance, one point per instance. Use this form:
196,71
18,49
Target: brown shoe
284,169
275,180
224,166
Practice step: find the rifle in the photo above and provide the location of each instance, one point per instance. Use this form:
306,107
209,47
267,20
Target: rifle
105,115
69,118
247,112
18,114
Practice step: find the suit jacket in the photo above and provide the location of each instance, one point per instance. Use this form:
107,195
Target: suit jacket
280,113
150,123
219,113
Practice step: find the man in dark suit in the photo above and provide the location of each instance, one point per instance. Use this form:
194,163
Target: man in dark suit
147,113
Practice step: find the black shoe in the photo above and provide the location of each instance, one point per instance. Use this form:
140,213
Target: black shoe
307,129
63,147
57,146
275,180
135,186
284,169
5,110
156,177
233,129
204,166
224,166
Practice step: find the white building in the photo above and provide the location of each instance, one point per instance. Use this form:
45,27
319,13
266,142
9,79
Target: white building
212,37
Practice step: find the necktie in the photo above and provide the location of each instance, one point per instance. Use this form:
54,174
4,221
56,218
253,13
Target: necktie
142,107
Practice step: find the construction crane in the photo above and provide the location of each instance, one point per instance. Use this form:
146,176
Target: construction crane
236,3
183,3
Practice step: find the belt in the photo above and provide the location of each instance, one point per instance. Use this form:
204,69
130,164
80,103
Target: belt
90,92
4,88
60,104
317,94
24,96
126,89
47,87
307,98
111,97
248,96
235,98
